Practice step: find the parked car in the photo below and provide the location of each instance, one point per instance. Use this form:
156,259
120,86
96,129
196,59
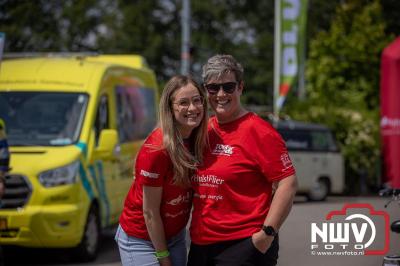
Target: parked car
317,158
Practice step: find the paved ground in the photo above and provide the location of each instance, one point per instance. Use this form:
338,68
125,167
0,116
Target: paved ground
295,239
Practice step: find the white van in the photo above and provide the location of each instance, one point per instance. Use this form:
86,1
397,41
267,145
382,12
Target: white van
318,161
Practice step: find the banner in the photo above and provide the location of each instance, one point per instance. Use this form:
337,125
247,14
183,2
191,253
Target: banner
390,113
291,16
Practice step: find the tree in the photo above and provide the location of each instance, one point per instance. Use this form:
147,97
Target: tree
241,28
63,26
152,28
24,31
343,83
390,9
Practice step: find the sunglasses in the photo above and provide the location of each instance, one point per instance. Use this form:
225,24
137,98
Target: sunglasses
228,87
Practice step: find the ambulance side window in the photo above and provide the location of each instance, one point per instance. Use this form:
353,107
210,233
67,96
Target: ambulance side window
136,112
102,117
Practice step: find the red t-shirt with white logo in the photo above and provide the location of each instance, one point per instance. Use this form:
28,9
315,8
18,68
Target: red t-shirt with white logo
154,168
233,188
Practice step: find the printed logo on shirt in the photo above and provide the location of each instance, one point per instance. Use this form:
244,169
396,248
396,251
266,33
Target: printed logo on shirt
207,180
208,196
221,149
286,162
180,199
148,174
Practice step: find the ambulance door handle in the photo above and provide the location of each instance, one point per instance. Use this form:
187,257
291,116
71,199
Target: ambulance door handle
116,154
117,151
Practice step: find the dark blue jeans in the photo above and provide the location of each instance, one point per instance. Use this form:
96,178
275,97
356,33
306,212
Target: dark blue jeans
240,252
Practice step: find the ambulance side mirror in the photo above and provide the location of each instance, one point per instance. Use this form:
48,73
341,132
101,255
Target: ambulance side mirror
108,142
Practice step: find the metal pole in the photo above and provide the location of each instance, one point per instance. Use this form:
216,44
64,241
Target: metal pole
302,87
2,41
185,51
277,56
302,58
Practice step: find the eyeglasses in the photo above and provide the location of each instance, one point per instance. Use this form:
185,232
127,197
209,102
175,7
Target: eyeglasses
184,103
228,87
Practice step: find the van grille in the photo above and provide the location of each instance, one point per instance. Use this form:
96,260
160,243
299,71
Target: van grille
17,192
9,233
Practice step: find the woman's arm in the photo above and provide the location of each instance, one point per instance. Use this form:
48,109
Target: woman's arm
280,207
151,210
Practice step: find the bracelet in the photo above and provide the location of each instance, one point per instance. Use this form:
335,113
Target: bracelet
162,254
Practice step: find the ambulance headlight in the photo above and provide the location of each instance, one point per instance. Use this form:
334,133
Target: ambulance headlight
60,176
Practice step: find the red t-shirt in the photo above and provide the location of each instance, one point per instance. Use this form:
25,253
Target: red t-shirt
154,168
232,190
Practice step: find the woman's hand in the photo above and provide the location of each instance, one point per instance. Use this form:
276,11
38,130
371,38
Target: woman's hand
261,241
165,261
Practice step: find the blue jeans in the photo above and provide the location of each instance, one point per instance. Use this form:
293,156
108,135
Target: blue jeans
139,252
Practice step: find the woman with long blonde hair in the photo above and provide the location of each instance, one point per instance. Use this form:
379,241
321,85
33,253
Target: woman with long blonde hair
157,207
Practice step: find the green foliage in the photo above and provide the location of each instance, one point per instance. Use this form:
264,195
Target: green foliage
17,19
241,28
151,28
347,37
390,10
57,26
343,84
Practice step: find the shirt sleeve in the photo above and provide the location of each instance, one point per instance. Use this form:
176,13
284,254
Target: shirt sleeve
273,157
152,166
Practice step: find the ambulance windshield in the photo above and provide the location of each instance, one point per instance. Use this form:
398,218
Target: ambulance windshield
42,118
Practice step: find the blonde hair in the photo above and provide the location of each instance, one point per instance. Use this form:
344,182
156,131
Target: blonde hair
184,163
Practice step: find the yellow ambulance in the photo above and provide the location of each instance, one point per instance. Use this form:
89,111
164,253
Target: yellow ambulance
74,125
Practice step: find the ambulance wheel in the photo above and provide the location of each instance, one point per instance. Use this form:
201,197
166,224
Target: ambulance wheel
87,249
320,190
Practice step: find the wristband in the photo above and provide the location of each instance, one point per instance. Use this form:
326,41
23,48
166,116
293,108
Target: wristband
162,254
